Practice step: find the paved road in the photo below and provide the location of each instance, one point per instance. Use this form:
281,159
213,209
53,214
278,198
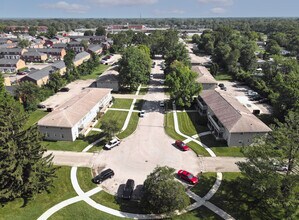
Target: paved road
80,159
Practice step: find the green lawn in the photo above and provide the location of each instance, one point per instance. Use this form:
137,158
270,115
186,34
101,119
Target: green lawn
131,126
34,117
191,123
119,116
122,103
200,213
170,131
81,210
138,104
95,74
220,148
143,90
206,181
77,145
230,198
223,76
62,190
169,127
111,201
84,178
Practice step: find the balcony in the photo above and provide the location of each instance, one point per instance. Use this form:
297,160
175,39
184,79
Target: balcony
201,105
214,123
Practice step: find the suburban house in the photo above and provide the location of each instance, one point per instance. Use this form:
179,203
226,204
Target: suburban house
81,58
5,41
39,77
95,48
76,46
37,43
60,45
51,42
228,119
11,65
72,118
53,53
205,77
62,39
108,79
35,56
59,66
11,53
90,39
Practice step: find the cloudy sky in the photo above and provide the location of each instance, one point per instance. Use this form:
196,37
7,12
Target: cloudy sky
147,8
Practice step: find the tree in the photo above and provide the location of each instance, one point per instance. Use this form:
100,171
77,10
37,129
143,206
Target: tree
100,31
88,33
272,47
69,59
140,38
134,68
55,82
29,94
24,43
24,171
273,193
52,31
182,84
161,193
110,127
248,58
32,31
177,53
195,38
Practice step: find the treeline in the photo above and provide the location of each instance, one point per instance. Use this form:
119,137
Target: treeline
233,52
265,25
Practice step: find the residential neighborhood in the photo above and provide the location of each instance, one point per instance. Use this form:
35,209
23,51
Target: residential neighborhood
186,117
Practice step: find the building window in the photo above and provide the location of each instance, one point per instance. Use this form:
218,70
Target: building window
62,136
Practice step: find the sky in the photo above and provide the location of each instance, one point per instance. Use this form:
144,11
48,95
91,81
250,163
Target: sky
147,8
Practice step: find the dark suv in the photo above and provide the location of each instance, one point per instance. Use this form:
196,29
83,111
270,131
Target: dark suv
128,190
103,176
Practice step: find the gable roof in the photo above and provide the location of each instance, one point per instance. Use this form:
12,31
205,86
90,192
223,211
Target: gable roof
108,76
72,111
232,114
39,74
33,53
5,61
204,75
81,55
95,47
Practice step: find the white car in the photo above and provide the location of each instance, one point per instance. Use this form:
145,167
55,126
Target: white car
141,113
111,144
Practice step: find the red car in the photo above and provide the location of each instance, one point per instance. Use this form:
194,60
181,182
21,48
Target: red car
185,175
182,145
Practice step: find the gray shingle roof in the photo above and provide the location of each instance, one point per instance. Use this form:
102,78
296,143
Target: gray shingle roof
81,55
204,76
9,61
39,74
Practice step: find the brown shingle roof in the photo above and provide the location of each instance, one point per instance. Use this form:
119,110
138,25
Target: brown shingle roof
232,114
204,76
71,112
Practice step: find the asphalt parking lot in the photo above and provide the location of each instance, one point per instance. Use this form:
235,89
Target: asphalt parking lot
239,91
147,147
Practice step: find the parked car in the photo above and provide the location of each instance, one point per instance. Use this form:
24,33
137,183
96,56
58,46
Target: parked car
111,144
278,166
223,88
141,113
103,176
21,73
128,189
181,145
151,76
41,106
64,89
190,178
221,85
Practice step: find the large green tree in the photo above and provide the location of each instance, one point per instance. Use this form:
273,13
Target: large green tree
55,82
163,194
274,194
23,169
100,31
110,128
29,94
134,68
182,84
177,53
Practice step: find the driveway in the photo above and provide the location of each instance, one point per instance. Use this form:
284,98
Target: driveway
148,147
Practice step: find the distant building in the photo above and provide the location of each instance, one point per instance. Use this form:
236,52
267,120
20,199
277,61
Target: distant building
81,58
35,56
53,53
205,77
11,65
72,118
229,120
108,79
12,53
78,47
95,48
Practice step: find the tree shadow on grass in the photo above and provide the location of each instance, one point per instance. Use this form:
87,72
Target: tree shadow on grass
204,185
